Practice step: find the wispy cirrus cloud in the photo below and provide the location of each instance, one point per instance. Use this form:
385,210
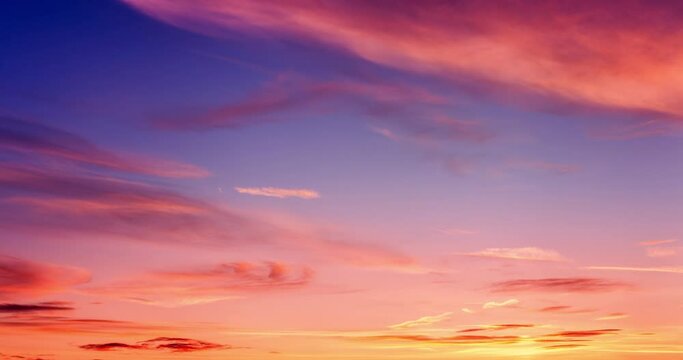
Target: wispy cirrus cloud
423,321
658,252
171,344
579,285
584,333
627,57
47,200
281,193
207,284
564,309
654,248
524,253
653,269
544,166
52,324
612,316
657,242
22,278
458,339
500,304
498,327
47,142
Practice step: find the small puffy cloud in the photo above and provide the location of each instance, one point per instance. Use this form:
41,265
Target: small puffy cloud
423,321
495,304
524,253
281,193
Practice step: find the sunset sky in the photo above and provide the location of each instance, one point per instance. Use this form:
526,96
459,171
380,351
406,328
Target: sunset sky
346,180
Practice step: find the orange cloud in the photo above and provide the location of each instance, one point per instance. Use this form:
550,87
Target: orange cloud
612,316
525,253
458,339
564,309
497,327
619,55
279,192
171,344
584,333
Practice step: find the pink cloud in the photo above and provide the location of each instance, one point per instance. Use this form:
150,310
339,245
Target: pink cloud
49,143
629,56
525,253
579,285
279,192
208,284
23,278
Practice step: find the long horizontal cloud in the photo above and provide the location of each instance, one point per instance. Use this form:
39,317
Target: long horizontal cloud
200,285
405,111
52,324
32,138
630,60
581,285
564,309
658,269
458,339
22,278
32,308
48,201
525,253
172,344
499,304
423,321
52,201
497,327
307,194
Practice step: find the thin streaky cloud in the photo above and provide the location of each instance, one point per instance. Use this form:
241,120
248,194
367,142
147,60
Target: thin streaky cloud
525,253
658,252
281,193
623,57
612,316
423,321
660,269
53,144
499,304
657,242
575,285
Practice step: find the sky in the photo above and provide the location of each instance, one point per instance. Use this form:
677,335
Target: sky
370,180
